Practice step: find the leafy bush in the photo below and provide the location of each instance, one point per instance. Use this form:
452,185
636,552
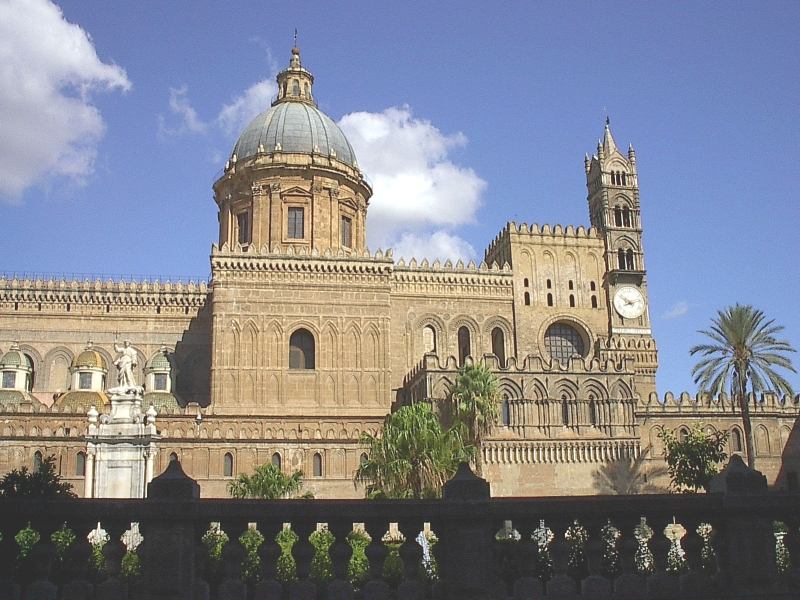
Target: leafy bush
251,541
286,568
693,461
62,539
358,567
44,482
321,570
26,539
214,541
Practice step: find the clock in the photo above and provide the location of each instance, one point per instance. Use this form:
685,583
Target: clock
629,302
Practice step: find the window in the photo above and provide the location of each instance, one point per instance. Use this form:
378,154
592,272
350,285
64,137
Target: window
276,460
592,286
84,381
428,339
629,260
571,285
317,465
563,341
227,465
525,282
296,223
295,87
346,230
80,464
594,301
572,301
37,460
626,217
527,298
564,411
301,350
736,440
549,299
617,216
9,379
243,228
625,259
592,411
463,344
683,434
499,345
549,284
160,382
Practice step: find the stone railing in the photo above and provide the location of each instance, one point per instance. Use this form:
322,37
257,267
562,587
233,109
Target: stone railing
724,544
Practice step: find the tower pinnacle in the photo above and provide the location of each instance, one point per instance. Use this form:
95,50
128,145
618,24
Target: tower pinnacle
294,82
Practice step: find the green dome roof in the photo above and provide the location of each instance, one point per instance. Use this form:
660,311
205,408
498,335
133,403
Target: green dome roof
15,358
160,362
296,127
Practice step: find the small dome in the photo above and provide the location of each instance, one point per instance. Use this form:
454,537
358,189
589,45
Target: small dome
80,400
160,362
162,401
295,127
16,359
91,359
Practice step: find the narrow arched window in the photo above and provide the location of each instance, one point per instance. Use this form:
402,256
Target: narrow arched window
499,345
295,87
301,350
594,301
276,460
525,282
527,298
572,301
592,411
626,217
80,464
549,283
564,411
506,412
227,465
549,299
621,258
37,460
571,284
317,465
592,286
364,458
618,216
463,344
629,260
683,434
736,440
428,339
624,178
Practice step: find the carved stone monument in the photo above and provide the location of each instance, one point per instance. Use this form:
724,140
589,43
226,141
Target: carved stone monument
121,446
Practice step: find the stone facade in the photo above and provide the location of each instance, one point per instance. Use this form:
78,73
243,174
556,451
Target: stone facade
304,339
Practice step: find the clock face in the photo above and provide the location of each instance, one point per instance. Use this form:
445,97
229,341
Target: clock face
629,302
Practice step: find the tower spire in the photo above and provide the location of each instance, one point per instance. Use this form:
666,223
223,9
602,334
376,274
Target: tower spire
294,82
609,145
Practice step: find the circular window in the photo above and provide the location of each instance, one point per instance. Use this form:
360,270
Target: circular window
563,342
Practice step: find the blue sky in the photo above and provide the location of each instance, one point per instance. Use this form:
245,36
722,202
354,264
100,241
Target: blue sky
485,110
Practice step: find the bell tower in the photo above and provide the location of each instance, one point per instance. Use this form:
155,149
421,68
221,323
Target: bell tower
613,194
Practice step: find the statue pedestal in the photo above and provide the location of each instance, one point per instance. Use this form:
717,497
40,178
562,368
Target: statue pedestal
121,447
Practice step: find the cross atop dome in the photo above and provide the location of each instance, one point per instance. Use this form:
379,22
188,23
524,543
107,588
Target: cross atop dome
295,83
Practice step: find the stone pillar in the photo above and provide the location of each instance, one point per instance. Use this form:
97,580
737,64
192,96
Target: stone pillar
169,548
467,536
88,478
747,552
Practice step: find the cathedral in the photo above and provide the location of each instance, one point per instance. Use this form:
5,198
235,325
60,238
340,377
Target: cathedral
302,339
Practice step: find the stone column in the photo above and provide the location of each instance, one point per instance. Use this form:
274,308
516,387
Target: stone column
467,536
88,478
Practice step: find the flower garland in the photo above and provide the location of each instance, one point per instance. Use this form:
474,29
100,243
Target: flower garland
643,558
251,540
676,555
543,536
577,536
98,538
708,556
358,567
286,568
321,570
610,563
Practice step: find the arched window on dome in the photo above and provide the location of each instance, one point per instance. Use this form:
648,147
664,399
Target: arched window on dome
463,344
499,345
227,465
295,87
301,350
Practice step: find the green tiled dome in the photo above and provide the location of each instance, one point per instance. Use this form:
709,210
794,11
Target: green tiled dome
82,399
161,401
160,362
90,358
15,359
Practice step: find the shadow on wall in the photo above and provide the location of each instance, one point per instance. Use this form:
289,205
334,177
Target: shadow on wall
631,476
789,474
193,360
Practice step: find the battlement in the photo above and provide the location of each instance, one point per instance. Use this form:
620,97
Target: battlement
703,402
545,233
98,291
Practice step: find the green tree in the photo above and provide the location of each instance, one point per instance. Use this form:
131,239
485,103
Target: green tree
412,456
43,482
268,483
742,354
473,399
694,460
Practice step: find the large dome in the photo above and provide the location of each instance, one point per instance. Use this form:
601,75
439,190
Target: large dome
294,127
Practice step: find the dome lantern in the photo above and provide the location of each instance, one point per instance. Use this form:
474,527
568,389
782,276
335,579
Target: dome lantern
295,83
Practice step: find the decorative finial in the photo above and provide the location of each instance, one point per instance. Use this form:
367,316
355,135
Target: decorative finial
295,37
608,120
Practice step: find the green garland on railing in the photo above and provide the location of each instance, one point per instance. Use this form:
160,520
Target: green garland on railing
131,566
98,538
610,563
26,539
430,566
577,536
543,536
321,570
783,561
643,558
393,568
358,566
214,541
251,541
708,556
286,568
676,556
62,539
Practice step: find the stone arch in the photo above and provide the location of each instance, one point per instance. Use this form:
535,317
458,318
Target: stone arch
249,344
370,390
442,388
622,199
56,366
274,341
549,271
38,382
329,348
371,348
351,351
581,326
352,391
537,390
736,440
329,390
565,387
593,387
230,348
620,390
510,388
439,330
474,334
626,241
502,323
248,389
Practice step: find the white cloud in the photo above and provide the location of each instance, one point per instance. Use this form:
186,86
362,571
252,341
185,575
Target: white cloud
180,106
417,187
49,71
240,111
438,244
678,309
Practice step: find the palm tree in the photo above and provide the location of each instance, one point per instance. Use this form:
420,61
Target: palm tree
412,457
473,398
743,350
268,483
630,476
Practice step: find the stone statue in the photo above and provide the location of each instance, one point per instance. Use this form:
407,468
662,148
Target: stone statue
125,363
